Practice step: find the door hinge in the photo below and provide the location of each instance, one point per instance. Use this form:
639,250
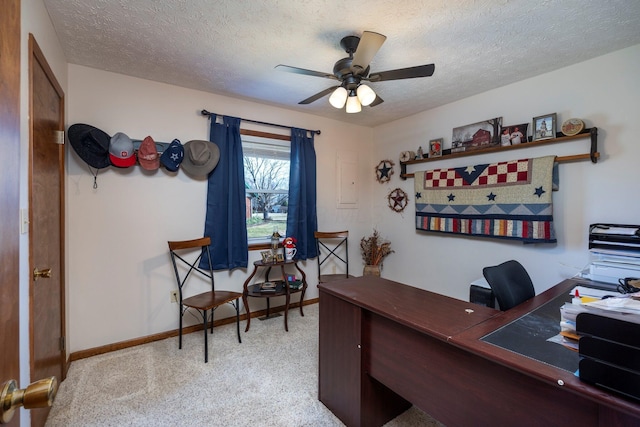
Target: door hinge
62,344
59,137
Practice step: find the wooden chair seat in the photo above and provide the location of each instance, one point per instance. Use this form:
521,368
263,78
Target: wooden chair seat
208,300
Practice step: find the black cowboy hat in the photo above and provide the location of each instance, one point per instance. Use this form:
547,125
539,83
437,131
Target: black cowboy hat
91,144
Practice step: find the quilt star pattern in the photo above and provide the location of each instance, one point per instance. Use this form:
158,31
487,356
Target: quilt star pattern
504,200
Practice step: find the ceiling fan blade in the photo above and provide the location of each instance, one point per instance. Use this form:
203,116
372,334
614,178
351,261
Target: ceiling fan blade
297,70
368,46
403,73
318,95
376,101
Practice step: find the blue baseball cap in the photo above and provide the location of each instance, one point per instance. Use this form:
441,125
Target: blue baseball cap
172,157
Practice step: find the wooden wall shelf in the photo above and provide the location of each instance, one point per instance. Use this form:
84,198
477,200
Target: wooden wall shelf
592,155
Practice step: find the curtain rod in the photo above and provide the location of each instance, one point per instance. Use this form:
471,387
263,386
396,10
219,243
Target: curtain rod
206,113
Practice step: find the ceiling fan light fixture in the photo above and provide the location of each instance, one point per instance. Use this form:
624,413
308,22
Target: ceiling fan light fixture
338,97
366,95
353,104
349,72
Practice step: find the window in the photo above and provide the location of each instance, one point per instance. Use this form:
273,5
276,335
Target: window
266,177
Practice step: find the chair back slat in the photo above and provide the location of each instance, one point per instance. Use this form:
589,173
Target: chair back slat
189,244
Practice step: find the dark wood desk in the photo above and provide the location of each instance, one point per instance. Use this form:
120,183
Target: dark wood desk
385,346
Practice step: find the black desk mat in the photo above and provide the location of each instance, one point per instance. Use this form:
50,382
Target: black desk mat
528,336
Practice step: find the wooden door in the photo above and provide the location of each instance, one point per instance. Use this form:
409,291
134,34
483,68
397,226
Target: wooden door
46,218
9,193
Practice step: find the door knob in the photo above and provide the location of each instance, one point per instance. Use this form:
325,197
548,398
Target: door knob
45,274
39,394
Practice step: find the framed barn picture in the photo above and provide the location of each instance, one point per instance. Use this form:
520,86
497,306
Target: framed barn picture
476,136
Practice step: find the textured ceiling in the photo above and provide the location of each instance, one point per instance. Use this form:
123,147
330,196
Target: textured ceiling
230,47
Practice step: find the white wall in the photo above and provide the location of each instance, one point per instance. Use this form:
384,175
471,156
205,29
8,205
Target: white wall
119,268
117,234
604,92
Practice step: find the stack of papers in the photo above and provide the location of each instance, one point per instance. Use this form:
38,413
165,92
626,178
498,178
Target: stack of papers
627,304
621,306
609,266
568,335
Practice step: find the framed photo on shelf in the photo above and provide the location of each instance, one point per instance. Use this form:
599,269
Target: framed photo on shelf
544,127
266,256
513,134
476,136
435,148
280,257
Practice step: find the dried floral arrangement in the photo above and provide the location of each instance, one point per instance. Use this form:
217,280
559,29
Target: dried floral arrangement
373,249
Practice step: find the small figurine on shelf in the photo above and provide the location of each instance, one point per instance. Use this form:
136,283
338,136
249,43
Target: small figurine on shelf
420,153
275,241
290,250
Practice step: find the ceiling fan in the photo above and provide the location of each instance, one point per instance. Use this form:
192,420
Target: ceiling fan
354,69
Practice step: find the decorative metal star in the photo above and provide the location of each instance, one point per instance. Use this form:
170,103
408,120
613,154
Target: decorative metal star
397,200
384,170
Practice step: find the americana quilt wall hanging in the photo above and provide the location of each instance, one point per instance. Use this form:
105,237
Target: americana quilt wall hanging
506,200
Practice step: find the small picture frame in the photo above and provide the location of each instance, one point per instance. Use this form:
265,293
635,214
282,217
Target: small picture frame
279,257
544,127
513,134
435,148
266,256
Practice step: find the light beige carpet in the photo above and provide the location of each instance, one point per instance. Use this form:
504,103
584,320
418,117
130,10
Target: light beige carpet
268,380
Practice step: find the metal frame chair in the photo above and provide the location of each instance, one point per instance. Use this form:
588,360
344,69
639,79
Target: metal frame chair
205,301
328,244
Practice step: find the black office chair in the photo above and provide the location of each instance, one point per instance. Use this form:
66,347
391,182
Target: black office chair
510,283
332,249
205,301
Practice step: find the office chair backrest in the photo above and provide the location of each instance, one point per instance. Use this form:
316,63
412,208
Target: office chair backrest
510,283
332,248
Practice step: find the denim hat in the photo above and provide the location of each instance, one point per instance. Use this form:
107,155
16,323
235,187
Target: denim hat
200,157
91,144
148,154
172,156
121,151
